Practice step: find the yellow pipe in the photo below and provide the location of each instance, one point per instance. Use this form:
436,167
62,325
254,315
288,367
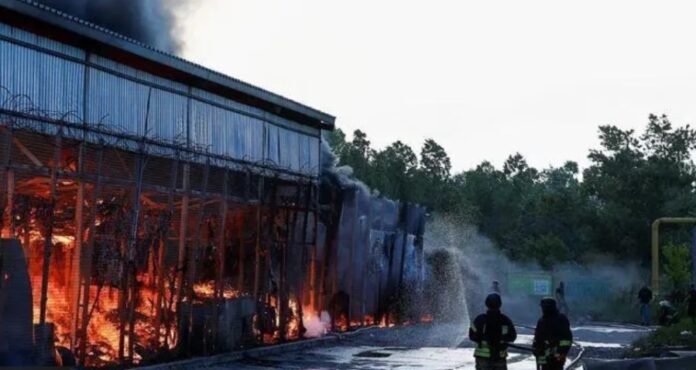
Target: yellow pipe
655,281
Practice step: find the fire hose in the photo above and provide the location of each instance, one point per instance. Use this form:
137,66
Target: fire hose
528,349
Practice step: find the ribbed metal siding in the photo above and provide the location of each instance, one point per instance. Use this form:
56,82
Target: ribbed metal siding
248,135
225,102
272,145
292,150
43,42
305,153
314,153
289,143
57,85
118,103
136,73
226,132
253,112
54,85
123,105
167,119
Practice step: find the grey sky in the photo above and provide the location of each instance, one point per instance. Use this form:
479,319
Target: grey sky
483,78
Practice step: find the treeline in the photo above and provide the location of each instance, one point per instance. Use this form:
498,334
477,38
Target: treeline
550,215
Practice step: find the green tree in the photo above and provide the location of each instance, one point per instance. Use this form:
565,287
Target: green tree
677,264
393,171
555,214
634,180
435,162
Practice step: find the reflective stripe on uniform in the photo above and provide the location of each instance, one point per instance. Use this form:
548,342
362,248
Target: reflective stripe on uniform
505,329
565,343
482,352
472,327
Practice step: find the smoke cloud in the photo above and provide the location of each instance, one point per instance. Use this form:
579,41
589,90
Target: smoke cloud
480,262
340,175
151,22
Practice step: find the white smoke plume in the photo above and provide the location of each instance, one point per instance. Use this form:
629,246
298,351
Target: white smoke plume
340,174
481,262
317,326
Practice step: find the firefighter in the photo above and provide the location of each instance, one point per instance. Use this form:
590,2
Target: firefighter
552,337
492,331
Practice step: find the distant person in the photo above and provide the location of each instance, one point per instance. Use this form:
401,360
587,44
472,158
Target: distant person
492,332
668,314
677,296
495,288
645,295
560,298
691,303
552,337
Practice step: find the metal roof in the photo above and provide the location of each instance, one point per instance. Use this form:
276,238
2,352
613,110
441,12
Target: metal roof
69,29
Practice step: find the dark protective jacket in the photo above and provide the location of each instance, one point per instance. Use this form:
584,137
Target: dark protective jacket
692,303
645,295
492,331
552,337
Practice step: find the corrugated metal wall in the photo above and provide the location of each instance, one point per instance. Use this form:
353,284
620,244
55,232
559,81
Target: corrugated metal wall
127,100
54,85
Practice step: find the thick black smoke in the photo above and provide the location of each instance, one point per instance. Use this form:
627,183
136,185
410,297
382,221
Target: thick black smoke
148,21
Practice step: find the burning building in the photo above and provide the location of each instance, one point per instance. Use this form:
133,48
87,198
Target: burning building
154,209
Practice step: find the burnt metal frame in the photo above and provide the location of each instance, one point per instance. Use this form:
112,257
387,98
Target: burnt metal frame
98,180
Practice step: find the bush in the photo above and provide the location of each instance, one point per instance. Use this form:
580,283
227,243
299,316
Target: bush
681,335
677,264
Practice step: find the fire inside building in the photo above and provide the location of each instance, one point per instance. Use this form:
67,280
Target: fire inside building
154,209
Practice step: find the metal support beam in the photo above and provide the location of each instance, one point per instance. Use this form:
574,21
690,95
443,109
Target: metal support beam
161,253
85,278
77,252
8,214
655,236
48,242
257,247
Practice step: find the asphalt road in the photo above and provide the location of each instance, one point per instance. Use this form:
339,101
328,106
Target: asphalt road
427,347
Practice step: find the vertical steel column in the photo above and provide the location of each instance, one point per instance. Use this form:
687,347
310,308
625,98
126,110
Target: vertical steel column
353,245
48,238
183,228
194,254
257,247
242,255
220,264
77,250
403,252
303,260
8,213
161,262
86,276
367,256
132,244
